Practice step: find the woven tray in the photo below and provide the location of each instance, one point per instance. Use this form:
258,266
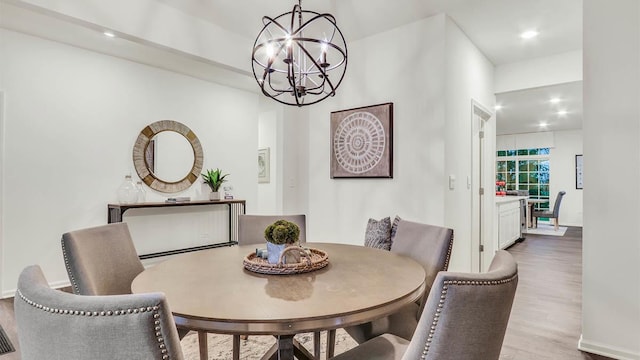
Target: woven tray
317,259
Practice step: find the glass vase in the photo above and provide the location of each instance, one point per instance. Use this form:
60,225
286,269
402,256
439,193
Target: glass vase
142,194
127,192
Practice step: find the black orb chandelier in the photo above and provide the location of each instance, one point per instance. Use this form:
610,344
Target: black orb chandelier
300,57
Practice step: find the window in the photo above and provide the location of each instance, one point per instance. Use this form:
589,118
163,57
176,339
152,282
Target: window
525,169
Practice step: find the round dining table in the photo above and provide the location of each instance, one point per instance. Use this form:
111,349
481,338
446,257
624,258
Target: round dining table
211,291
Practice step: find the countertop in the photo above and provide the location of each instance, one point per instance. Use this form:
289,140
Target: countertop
509,198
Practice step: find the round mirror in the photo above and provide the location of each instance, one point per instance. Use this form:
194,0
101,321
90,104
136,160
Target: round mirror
168,156
171,155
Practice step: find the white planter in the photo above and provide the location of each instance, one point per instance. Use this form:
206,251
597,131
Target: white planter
274,251
215,196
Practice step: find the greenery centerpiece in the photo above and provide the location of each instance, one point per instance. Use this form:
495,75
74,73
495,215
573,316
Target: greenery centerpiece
214,178
279,235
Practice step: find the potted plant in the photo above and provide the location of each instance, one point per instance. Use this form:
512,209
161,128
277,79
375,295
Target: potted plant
214,179
280,235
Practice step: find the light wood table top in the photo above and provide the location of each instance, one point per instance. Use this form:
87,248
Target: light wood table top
210,290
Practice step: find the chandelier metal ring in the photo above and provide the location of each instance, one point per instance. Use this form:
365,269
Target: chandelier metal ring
306,59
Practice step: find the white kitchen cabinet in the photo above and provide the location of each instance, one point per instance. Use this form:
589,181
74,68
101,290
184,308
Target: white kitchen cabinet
508,220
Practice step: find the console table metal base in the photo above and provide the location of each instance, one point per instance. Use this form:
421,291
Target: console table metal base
115,212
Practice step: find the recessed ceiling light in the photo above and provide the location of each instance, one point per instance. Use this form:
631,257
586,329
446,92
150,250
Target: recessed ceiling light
562,112
543,124
497,107
530,34
554,100
109,34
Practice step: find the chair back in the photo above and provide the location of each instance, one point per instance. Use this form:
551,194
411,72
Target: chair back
556,205
429,245
101,260
466,314
56,325
251,227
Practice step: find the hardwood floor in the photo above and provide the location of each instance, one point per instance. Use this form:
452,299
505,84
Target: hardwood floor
545,320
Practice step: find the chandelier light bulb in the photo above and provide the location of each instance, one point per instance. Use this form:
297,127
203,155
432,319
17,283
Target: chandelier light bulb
269,51
323,56
290,57
530,34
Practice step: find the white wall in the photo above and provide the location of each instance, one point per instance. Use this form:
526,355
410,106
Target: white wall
295,152
432,133
284,130
71,119
162,26
611,233
338,209
269,198
549,70
2,171
544,139
565,145
469,75
562,164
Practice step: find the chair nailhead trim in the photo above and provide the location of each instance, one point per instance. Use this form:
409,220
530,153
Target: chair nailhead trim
74,283
446,260
443,296
153,309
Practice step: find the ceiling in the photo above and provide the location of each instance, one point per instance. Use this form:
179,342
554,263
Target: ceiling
492,25
524,111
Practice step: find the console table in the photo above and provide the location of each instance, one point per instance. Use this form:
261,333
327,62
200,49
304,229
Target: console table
235,207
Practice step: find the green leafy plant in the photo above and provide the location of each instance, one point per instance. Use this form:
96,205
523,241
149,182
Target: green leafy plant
214,179
282,232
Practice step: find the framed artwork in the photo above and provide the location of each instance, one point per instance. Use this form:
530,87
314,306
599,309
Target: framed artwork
362,142
263,166
579,172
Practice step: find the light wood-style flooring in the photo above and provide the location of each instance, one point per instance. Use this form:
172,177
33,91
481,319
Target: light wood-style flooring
545,320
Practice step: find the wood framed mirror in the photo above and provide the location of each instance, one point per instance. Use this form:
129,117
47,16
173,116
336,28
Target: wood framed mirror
168,156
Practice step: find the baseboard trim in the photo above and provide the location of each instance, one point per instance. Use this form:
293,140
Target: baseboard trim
7,294
606,350
60,285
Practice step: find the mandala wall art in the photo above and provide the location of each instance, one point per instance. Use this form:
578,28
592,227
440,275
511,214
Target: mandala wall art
362,142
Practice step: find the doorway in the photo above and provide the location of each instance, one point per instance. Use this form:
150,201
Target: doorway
481,189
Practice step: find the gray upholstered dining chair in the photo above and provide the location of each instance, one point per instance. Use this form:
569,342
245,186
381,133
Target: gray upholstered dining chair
57,325
465,317
553,214
430,246
251,227
102,260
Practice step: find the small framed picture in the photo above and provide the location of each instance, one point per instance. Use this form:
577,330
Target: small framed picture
263,166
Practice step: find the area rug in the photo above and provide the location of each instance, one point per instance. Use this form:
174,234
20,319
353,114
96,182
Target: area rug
220,346
547,229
